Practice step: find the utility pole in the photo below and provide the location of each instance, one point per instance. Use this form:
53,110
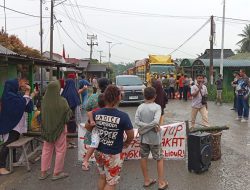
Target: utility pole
109,43
92,43
41,27
101,56
51,35
211,39
41,43
5,21
222,39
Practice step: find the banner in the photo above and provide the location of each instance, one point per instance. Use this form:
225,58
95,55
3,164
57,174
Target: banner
173,143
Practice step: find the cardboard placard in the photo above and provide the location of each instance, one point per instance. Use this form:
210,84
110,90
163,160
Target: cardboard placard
173,143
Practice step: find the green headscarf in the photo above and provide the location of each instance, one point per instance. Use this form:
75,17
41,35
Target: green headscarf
55,112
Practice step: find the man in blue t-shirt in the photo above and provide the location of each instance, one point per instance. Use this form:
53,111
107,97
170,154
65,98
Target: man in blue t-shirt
83,86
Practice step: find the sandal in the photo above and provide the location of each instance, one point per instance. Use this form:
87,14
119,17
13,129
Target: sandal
85,167
4,172
61,175
152,182
164,187
46,175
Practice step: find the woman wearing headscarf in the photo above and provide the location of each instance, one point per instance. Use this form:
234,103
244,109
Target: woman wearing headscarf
12,116
70,93
55,114
161,98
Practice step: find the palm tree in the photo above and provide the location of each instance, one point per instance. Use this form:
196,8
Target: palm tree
245,42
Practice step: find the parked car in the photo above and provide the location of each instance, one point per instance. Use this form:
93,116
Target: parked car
131,88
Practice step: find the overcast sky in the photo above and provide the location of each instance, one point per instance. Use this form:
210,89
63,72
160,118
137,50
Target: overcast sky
139,34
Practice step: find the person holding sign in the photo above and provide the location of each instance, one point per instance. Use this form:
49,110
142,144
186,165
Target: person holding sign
147,118
111,124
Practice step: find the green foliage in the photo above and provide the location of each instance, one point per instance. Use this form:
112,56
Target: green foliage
13,43
119,69
94,61
227,94
244,43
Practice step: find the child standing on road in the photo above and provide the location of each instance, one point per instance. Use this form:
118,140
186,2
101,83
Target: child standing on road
95,139
147,118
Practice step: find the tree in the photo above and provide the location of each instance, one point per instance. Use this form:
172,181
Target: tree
13,43
244,43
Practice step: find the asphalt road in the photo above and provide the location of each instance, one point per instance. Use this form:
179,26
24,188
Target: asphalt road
230,173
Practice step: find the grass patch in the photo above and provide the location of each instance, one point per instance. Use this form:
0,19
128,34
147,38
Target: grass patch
227,94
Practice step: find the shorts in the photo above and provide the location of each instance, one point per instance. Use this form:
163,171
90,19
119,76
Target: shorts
219,92
95,138
110,166
87,138
156,151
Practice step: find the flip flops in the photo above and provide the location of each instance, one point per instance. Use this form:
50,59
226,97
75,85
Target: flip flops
44,177
85,167
164,187
61,175
152,182
5,173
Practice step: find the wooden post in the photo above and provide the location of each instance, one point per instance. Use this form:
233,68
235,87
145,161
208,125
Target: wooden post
31,82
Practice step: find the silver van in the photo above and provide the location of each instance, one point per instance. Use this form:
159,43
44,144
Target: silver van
131,88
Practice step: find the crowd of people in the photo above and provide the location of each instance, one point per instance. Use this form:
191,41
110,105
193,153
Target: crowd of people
241,85
109,130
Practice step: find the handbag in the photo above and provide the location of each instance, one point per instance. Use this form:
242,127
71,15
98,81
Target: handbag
203,99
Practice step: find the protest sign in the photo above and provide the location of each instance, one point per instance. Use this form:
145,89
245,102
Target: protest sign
173,142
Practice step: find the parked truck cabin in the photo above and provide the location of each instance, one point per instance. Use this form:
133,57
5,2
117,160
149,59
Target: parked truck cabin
155,65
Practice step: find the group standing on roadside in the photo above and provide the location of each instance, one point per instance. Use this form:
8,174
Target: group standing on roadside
241,85
109,130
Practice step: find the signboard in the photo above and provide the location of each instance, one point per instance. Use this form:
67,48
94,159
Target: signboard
173,143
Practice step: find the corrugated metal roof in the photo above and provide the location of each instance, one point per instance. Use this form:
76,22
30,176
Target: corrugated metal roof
227,63
217,53
83,63
97,67
4,50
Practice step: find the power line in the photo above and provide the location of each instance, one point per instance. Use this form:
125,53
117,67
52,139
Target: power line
73,11
69,17
72,38
27,26
235,19
31,15
111,36
81,16
138,13
191,36
139,42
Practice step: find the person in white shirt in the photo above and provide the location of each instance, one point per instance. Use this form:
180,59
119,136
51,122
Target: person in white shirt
198,105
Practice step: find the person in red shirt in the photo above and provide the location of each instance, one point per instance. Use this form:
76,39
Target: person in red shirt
181,85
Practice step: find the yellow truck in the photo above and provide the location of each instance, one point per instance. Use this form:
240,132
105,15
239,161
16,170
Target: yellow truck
154,66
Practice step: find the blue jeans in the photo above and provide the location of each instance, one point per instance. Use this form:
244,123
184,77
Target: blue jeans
243,107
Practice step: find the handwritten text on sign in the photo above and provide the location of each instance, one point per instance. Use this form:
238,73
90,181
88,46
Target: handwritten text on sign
173,142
